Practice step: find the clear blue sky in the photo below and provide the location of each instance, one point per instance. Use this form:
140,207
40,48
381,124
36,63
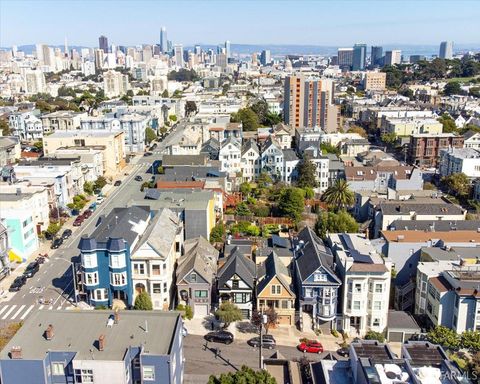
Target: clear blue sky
333,23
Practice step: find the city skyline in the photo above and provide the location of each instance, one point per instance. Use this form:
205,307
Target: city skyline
374,22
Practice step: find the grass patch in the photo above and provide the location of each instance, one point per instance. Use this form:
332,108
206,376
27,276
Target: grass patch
462,79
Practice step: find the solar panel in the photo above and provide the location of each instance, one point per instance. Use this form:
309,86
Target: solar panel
278,241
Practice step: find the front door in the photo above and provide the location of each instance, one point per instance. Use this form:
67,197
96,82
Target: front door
355,322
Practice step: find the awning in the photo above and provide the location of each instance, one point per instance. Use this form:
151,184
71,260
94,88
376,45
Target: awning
14,257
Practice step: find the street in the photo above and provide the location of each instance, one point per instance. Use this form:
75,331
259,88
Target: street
54,279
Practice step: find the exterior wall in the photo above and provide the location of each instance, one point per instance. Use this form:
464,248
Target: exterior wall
189,293
104,371
22,371
35,203
284,303
250,164
22,232
228,294
230,158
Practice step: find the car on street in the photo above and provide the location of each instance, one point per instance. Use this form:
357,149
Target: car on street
31,269
224,337
87,213
66,234
56,243
345,352
267,342
100,200
117,183
18,283
138,178
78,221
311,346
93,206
146,154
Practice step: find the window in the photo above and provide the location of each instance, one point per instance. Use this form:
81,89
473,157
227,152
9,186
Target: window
284,304
378,288
240,298
308,292
193,278
358,287
138,268
276,289
156,288
99,294
376,322
201,293
165,287
356,305
84,375
319,277
235,284
377,305
91,278
156,269
118,278
58,369
89,260
149,373
27,234
117,260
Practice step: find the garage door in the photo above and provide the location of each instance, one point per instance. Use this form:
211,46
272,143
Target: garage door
201,310
284,320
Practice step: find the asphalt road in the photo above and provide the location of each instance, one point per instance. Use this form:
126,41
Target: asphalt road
54,279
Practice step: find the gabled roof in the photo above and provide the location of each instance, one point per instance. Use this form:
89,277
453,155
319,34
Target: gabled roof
212,143
314,254
269,142
201,257
231,140
470,134
274,268
250,144
237,264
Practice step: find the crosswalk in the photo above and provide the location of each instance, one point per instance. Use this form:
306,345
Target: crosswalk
19,312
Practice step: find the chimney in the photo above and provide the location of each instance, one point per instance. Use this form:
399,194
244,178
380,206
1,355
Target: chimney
16,353
49,332
116,317
18,192
101,343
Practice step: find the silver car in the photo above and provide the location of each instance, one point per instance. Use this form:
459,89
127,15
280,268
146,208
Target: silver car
267,342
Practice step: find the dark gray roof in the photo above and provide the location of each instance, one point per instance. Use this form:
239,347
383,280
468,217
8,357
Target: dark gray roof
201,257
435,225
190,173
469,134
313,254
50,161
401,320
237,264
281,246
78,331
405,207
250,144
271,268
289,155
173,160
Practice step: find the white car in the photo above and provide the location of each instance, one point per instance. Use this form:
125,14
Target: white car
100,199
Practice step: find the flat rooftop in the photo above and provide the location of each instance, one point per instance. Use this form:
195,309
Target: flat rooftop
78,331
85,133
420,236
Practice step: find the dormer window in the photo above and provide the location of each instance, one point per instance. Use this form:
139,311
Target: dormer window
193,278
317,277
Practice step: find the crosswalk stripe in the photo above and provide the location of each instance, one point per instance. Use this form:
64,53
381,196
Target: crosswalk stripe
9,311
41,306
18,312
50,308
3,309
27,312
59,307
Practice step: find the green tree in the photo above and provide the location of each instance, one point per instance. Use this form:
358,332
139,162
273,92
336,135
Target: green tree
100,182
88,187
309,193
452,88
444,336
165,93
228,313
372,335
448,124
150,135
339,195
53,228
245,188
38,145
264,180
470,340
242,210
272,119
245,375
474,91
172,118
389,138
247,117
359,130
217,232
306,174
332,222
261,210
253,230
457,184
407,92
190,107
183,75
291,203
329,148
5,128
143,302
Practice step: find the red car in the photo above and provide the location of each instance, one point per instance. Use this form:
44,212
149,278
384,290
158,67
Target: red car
78,221
311,346
87,213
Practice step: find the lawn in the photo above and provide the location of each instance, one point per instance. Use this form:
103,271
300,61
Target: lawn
463,79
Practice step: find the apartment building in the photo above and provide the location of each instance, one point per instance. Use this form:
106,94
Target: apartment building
62,121
10,150
26,125
424,149
115,84
374,81
250,160
408,126
230,156
460,160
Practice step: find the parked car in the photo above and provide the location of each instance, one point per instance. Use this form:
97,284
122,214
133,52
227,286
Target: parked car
31,269
117,183
267,342
345,352
57,243
87,213
66,234
93,207
146,154
18,283
100,200
220,337
138,178
78,221
311,346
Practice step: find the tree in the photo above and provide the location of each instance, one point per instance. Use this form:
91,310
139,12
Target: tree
143,302
245,188
372,335
88,187
448,124
331,222
339,195
217,232
389,138
407,92
183,75
306,174
329,148
359,130
150,135
247,117
228,313
100,182
271,318
457,184
292,203
272,119
38,145
172,118
53,228
470,340
190,107
264,180
474,91
244,375
242,210
5,128
452,88
165,93
444,336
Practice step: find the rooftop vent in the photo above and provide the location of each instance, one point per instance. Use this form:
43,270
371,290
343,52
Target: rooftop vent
16,352
101,343
49,332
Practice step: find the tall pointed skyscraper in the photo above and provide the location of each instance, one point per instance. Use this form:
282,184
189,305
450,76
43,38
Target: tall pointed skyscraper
163,40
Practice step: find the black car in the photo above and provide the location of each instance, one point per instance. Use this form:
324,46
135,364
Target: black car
138,178
56,243
117,183
345,352
48,235
146,154
18,283
31,269
267,342
220,337
66,234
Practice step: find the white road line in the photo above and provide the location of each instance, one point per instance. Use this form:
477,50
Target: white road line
41,306
18,312
59,307
9,311
27,312
3,309
44,272
50,308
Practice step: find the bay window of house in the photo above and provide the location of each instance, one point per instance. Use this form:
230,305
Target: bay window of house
58,369
89,260
201,294
91,278
356,305
118,278
156,288
284,304
148,373
99,294
358,287
117,260
378,288
156,269
139,268
84,375
241,298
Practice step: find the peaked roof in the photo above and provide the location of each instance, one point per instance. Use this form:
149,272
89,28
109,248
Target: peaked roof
231,140
274,268
250,144
200,256
269,142
314,254
237,264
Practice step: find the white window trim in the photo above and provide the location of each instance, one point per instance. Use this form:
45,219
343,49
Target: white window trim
151,377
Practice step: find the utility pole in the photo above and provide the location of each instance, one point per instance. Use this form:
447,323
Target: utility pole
262,322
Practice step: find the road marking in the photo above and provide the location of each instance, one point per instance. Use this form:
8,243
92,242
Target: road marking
59,307
18,312
41,306
38,279
44,272
3,309
27,312
23,295
9,311
50,308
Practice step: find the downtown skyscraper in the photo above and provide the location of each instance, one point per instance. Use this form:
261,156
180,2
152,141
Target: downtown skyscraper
103,43
359,57
163,40
446,50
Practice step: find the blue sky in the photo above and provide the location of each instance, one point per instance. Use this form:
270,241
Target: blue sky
321,22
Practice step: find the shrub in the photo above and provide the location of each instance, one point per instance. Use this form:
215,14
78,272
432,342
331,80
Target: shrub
335,333
372,335
188,312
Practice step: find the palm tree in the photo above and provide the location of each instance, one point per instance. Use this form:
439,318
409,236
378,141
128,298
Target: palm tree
339,194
